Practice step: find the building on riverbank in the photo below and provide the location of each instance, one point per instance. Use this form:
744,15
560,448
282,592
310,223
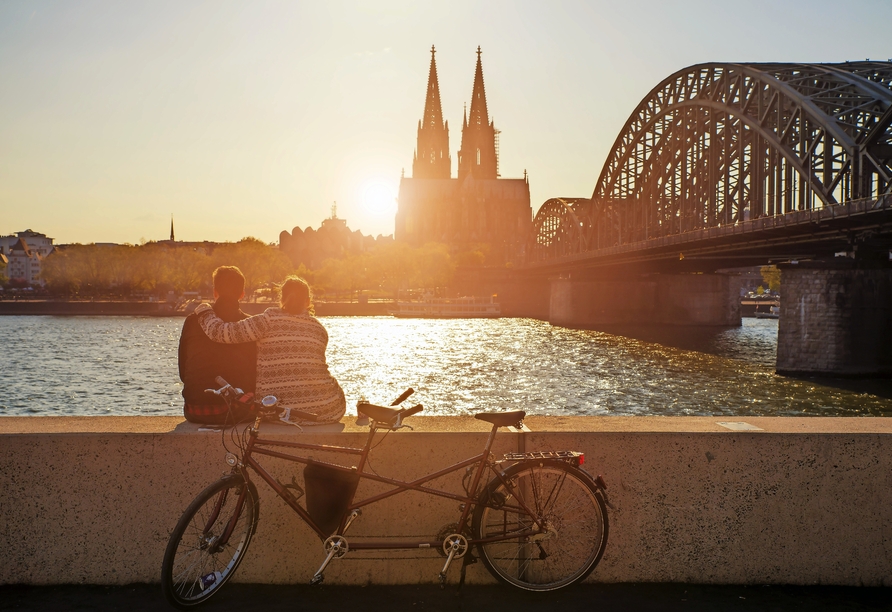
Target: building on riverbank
37,242
477,207
24,253
334,239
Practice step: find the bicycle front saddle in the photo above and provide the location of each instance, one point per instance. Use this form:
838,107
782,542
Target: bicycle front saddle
382,414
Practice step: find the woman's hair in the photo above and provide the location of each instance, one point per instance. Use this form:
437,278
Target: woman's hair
296,296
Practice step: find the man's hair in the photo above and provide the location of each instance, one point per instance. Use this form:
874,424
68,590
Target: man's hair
229,282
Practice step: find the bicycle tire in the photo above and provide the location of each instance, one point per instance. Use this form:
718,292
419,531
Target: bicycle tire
573,508
192,571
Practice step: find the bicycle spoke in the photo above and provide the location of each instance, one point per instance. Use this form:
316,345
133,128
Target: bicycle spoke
556,546
195,564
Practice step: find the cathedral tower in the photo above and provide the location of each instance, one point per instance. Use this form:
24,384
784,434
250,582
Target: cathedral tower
432,159
477,156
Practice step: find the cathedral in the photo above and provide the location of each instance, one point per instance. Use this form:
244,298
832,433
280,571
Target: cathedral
478,207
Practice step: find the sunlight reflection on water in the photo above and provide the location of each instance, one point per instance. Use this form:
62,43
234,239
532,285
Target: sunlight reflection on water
128,365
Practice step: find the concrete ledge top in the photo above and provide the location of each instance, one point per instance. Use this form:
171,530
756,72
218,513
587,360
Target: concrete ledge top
463,424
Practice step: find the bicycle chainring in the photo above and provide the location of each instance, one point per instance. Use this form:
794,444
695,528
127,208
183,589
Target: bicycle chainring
448,530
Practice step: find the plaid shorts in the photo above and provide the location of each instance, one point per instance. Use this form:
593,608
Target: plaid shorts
220,413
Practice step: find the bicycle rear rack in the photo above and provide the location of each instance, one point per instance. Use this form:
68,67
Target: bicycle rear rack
573,457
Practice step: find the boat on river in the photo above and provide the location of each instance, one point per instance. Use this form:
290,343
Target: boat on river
449,308
772,313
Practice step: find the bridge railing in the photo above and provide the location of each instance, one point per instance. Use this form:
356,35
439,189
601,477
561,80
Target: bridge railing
585,247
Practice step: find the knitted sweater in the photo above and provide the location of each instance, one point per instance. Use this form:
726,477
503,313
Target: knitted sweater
290,358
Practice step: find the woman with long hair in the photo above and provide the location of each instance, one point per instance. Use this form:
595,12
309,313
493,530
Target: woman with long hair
291,345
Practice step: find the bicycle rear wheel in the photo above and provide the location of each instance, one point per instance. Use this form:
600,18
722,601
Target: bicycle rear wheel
570,506
197,562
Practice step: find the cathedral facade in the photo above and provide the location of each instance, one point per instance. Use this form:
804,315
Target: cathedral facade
476,208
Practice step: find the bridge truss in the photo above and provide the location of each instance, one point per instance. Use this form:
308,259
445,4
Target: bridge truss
716,145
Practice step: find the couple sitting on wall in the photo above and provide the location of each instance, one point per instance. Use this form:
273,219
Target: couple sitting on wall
280,352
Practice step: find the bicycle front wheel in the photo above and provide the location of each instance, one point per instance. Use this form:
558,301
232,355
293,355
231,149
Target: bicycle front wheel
569,507
200,558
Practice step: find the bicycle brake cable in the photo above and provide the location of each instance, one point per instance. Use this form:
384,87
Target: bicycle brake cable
368,459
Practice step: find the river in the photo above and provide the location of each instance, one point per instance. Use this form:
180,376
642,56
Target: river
128,366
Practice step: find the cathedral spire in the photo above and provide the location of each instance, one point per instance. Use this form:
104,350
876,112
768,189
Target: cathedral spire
477,156
479,114
432,158
433,111
171,227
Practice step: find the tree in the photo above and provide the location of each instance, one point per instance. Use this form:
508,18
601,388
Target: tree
473,258
259,262
61,270
772,277
435,267
394,265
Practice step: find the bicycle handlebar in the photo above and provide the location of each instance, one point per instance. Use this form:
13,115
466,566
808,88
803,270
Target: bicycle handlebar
403,396
305,416
410,411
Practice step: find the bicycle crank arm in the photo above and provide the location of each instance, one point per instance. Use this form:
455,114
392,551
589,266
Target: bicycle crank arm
336,547
319,576
442,575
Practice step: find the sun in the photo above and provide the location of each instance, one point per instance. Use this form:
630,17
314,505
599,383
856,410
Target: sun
378,197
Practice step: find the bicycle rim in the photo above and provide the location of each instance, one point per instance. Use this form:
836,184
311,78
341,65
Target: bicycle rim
195,563
574,515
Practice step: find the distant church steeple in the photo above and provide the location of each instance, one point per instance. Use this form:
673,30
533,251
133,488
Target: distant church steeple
477,155
432,159
171,228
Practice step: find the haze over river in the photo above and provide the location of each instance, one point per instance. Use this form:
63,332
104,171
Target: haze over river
128,366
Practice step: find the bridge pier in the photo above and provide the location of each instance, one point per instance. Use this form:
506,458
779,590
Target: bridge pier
835,320
673,299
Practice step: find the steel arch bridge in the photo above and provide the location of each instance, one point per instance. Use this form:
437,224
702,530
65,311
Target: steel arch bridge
726,145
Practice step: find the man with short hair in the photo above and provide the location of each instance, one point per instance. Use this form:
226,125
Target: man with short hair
202,360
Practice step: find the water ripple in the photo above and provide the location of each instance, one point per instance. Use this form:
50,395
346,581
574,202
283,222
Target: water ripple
128,366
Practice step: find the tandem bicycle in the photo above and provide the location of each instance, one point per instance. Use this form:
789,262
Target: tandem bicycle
537,520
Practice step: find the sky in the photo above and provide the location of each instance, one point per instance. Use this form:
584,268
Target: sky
249,118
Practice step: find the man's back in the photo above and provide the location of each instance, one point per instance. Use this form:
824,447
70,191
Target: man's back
201,360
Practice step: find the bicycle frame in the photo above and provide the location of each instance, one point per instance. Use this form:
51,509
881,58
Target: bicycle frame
259,446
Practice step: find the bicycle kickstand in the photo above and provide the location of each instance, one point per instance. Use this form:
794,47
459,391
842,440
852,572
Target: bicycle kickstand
469,559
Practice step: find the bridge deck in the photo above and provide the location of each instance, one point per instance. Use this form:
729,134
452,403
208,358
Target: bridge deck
797,235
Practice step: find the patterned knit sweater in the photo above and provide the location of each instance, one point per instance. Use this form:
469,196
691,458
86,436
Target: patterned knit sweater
290,358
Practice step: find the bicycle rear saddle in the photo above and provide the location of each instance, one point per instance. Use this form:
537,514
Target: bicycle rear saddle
386,415
502,419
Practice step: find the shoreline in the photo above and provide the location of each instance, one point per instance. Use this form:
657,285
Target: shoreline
164,309
119,308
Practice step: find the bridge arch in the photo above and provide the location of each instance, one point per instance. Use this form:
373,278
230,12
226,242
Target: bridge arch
715,144
557,230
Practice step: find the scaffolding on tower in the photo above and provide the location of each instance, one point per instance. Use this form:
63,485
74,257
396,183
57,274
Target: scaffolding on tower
496,139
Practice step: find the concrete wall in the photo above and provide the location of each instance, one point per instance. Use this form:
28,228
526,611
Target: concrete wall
835,319
672,299
796,501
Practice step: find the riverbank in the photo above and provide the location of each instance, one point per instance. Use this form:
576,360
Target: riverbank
695,500
748,308
164,309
